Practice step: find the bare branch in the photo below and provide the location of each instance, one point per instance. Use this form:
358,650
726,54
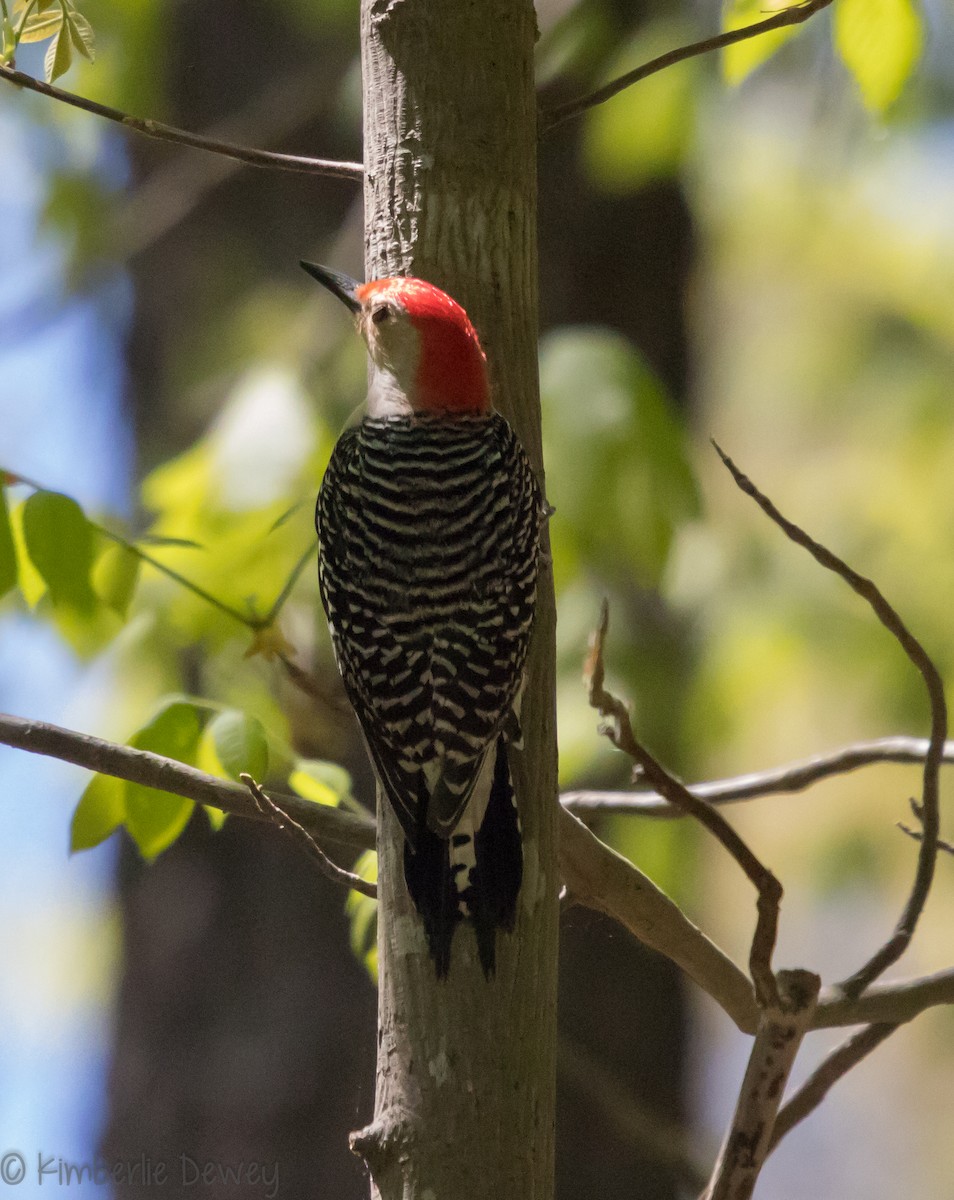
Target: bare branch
168,133
781,1030
917,835
837,1064
794,777
894,1003
596,876
599,878
621,734
892,950
165,774
796,15
273,812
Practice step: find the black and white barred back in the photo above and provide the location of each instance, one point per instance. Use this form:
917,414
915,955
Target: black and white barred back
429,533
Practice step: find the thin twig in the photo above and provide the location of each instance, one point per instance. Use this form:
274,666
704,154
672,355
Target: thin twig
782,1027
250,622
168,133
272,614
817,1086
273,812
168,775
918,834
796,15
793,777
769,890
599,877
895,946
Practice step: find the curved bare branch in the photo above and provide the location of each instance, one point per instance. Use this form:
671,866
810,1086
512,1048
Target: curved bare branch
796,15
929,812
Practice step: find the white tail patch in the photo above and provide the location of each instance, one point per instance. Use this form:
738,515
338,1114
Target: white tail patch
463,857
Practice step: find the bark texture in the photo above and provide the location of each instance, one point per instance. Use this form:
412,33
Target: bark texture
465,1095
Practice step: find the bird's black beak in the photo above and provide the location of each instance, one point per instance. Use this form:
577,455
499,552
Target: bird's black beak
343,286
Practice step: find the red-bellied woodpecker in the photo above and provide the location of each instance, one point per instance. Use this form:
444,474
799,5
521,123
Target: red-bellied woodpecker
429,519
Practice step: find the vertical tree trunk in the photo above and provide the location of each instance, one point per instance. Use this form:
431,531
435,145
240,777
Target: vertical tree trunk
465,1077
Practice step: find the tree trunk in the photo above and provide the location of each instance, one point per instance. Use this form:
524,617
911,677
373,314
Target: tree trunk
465,1094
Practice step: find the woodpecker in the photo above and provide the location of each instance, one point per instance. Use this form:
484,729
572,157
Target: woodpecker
429,519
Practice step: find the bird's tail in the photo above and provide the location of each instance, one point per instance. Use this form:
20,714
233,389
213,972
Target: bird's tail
473,875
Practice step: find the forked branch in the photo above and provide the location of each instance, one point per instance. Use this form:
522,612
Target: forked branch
272,811
596,876
620,732
782,1026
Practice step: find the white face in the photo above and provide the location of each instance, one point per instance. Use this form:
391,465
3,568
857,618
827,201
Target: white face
395,348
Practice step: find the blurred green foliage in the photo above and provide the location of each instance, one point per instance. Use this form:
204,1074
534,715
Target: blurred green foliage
618,469
879,41
646,131
822,346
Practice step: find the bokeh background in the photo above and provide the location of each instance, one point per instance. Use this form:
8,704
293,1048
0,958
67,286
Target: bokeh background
771,264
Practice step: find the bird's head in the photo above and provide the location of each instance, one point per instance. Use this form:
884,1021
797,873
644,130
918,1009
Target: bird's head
426,354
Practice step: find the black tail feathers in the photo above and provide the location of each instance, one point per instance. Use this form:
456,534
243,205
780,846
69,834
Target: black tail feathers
450,881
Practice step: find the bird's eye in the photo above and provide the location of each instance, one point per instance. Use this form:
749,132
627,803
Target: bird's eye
380,314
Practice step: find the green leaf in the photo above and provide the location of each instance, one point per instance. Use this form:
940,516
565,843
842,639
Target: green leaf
32,587
59,56
115,576
42,25
742,58
618,468
20,6
240,744
59,540
363,914
8,552
156,818
321,782
101,810
81,34
879,41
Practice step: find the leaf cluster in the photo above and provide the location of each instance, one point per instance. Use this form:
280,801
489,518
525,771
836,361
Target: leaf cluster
879,41
56,21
